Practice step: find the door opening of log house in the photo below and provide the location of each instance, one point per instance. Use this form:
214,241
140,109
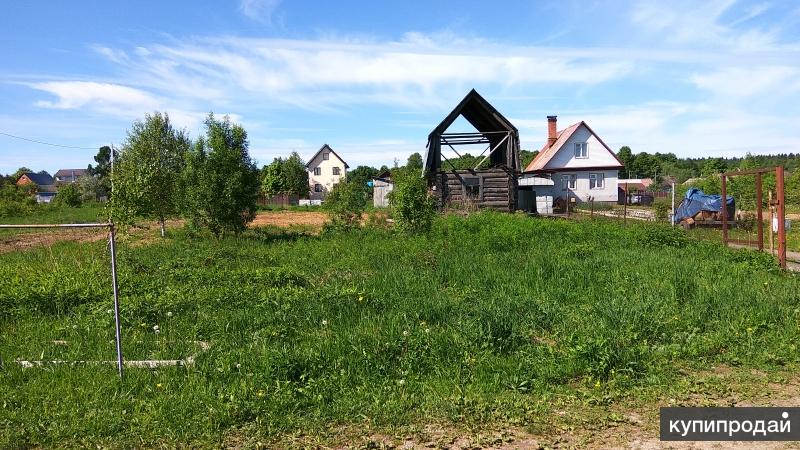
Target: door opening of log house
472,157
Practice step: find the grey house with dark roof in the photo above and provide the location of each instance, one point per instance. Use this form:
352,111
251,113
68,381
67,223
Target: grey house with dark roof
69,175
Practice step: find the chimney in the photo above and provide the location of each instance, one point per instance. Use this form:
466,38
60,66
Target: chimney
552,131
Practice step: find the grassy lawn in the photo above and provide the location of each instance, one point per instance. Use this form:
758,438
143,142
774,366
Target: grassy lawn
58,214
490,320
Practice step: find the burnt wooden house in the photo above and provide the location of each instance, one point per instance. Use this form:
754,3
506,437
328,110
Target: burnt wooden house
492,183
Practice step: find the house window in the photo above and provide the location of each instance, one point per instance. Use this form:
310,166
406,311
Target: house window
317,187
336,171
326,156
317,171
596,181
568,181
472,187
582,150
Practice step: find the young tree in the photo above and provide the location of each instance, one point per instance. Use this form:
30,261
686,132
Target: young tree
220,180
273,178
414,162
296,175
146,177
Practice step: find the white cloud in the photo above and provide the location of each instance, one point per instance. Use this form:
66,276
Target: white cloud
414,71
103,96
118,101
740,83
700,23
260,10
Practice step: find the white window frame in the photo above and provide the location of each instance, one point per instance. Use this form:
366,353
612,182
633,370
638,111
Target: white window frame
326,156
581,150
337,170
317,171
594,178
569,181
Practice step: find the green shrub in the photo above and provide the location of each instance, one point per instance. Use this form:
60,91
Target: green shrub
661,209
345,204
68,195
414,209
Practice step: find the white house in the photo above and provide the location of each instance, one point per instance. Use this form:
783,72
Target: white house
580,164
325,169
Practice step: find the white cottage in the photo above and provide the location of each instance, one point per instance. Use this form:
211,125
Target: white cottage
578,162
325,169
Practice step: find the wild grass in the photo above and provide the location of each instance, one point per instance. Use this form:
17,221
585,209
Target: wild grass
485,320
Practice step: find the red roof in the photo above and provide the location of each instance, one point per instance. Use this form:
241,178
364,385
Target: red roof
546,153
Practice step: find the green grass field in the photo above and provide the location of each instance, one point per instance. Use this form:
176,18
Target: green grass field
490,319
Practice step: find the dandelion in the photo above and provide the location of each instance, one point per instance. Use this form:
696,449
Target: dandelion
260,393
238,366
159,386
427,330
143,325
401,382
749,330
406,333
157,329
324,323
597,384
361,298
169,313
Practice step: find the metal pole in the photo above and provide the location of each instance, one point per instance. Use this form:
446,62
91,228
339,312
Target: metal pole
781,216
672,219
724,212
759,213
771,219
116,296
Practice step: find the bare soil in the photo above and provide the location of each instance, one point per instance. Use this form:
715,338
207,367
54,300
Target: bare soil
289,218
46,238
26,239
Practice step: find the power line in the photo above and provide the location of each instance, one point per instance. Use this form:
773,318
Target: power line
47,143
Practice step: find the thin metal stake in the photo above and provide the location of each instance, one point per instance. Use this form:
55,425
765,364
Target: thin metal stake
116,296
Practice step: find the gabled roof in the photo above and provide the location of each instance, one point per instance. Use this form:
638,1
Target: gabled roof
479,113
70,172
39,179
329,149
547,152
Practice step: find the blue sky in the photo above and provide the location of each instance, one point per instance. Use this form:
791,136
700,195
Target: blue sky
697,78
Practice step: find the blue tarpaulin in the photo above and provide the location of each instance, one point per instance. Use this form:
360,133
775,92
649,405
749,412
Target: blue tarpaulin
696,201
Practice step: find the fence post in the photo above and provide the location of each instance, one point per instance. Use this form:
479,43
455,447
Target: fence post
116,296
625,207
781,216
672,218
724,211
759,213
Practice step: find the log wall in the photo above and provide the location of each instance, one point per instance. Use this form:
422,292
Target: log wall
485,188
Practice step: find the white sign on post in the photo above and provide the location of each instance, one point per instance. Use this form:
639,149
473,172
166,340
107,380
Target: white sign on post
786,223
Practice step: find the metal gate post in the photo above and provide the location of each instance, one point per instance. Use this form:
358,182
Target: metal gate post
116,296
724,212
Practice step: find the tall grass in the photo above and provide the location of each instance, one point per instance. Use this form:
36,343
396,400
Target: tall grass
480,320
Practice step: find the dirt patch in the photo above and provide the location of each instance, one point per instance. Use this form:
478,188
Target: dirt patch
287,219
29,239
